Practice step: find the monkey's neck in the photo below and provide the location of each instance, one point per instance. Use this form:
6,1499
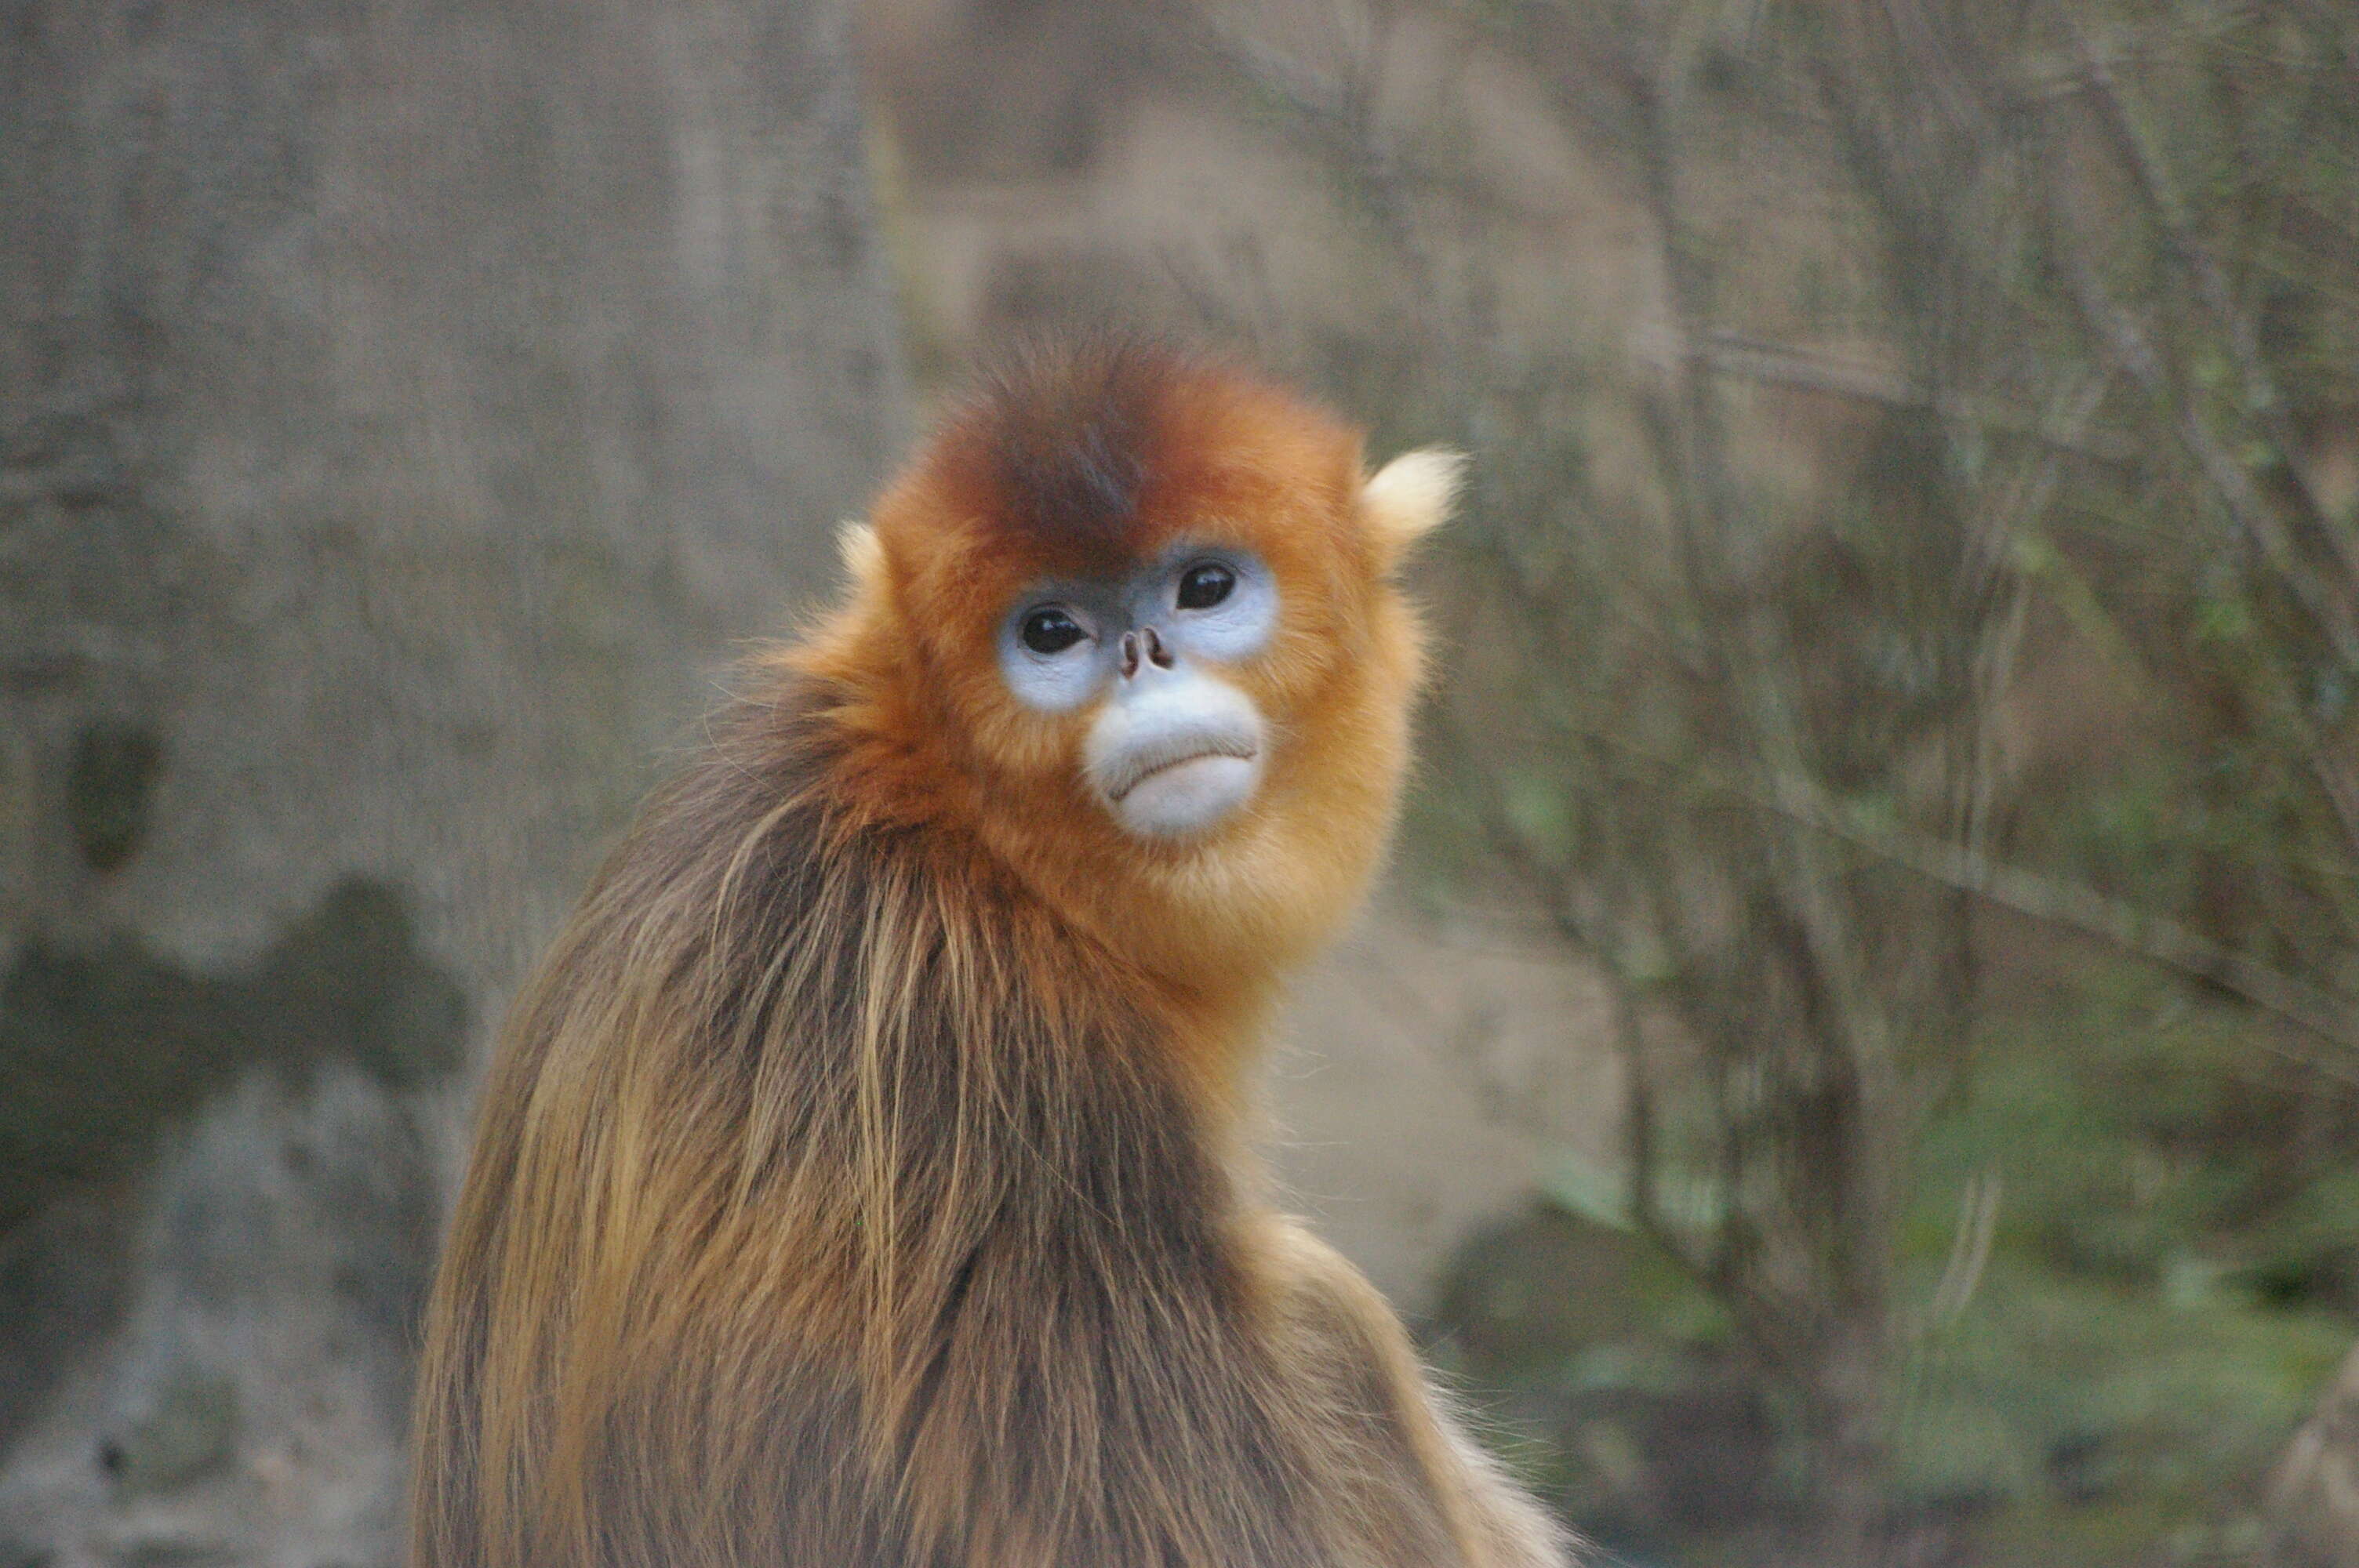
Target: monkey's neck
1058,895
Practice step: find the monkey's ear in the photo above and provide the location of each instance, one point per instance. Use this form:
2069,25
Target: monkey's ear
864,557
1410,496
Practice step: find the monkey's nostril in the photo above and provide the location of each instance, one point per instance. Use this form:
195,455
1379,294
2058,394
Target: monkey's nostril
1156,653
1130,653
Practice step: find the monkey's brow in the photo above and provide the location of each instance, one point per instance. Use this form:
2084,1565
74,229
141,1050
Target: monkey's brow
1081,486
1071,439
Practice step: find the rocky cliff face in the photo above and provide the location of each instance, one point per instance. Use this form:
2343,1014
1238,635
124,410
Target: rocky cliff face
402,407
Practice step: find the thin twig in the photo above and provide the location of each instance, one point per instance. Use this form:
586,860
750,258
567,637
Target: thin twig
1788,365
2131,349
2169,213
2326,1014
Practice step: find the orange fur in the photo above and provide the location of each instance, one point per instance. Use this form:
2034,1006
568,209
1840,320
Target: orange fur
860,1180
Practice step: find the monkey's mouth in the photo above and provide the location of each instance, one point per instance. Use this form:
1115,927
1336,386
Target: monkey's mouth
1160,761
1189,796
1174,760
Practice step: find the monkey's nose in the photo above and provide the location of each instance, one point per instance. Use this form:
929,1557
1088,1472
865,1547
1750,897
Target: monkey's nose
1146,643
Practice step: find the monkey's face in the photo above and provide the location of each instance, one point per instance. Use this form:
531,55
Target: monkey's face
1173,744
1144,612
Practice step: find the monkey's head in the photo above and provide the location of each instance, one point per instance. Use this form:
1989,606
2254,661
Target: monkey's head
1148,606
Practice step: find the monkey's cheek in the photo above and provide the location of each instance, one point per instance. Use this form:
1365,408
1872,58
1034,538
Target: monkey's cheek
1188,799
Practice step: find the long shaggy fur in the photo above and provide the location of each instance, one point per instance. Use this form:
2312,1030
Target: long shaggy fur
858,1184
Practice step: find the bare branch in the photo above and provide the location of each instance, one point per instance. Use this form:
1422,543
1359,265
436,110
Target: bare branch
2330,1017
2327,606
1790,364
2163,203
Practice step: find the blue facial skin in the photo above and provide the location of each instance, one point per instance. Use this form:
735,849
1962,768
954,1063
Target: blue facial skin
1235,628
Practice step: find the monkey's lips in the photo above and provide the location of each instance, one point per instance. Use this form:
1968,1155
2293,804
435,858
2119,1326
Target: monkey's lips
1177,785
1173,759
1163,761
1188,794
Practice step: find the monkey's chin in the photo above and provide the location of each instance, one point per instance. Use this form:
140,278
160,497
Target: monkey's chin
1186,799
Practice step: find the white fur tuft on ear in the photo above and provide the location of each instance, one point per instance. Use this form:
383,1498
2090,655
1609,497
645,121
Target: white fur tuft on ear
1410,496
864,557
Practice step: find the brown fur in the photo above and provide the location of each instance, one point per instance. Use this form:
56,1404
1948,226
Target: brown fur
859,1182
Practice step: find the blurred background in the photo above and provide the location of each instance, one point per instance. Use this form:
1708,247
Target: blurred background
1858,1060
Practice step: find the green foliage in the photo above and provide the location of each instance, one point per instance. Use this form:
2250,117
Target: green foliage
2125,1284
2150,1320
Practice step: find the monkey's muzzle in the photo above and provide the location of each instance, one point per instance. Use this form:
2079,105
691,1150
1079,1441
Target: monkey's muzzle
1175,754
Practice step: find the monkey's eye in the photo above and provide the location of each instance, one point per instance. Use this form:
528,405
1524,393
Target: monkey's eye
1048,629
1206,584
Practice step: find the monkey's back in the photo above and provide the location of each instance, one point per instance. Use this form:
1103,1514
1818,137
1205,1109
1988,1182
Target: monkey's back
835,1203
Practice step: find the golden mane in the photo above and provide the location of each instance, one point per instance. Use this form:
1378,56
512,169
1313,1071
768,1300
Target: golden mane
752,985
